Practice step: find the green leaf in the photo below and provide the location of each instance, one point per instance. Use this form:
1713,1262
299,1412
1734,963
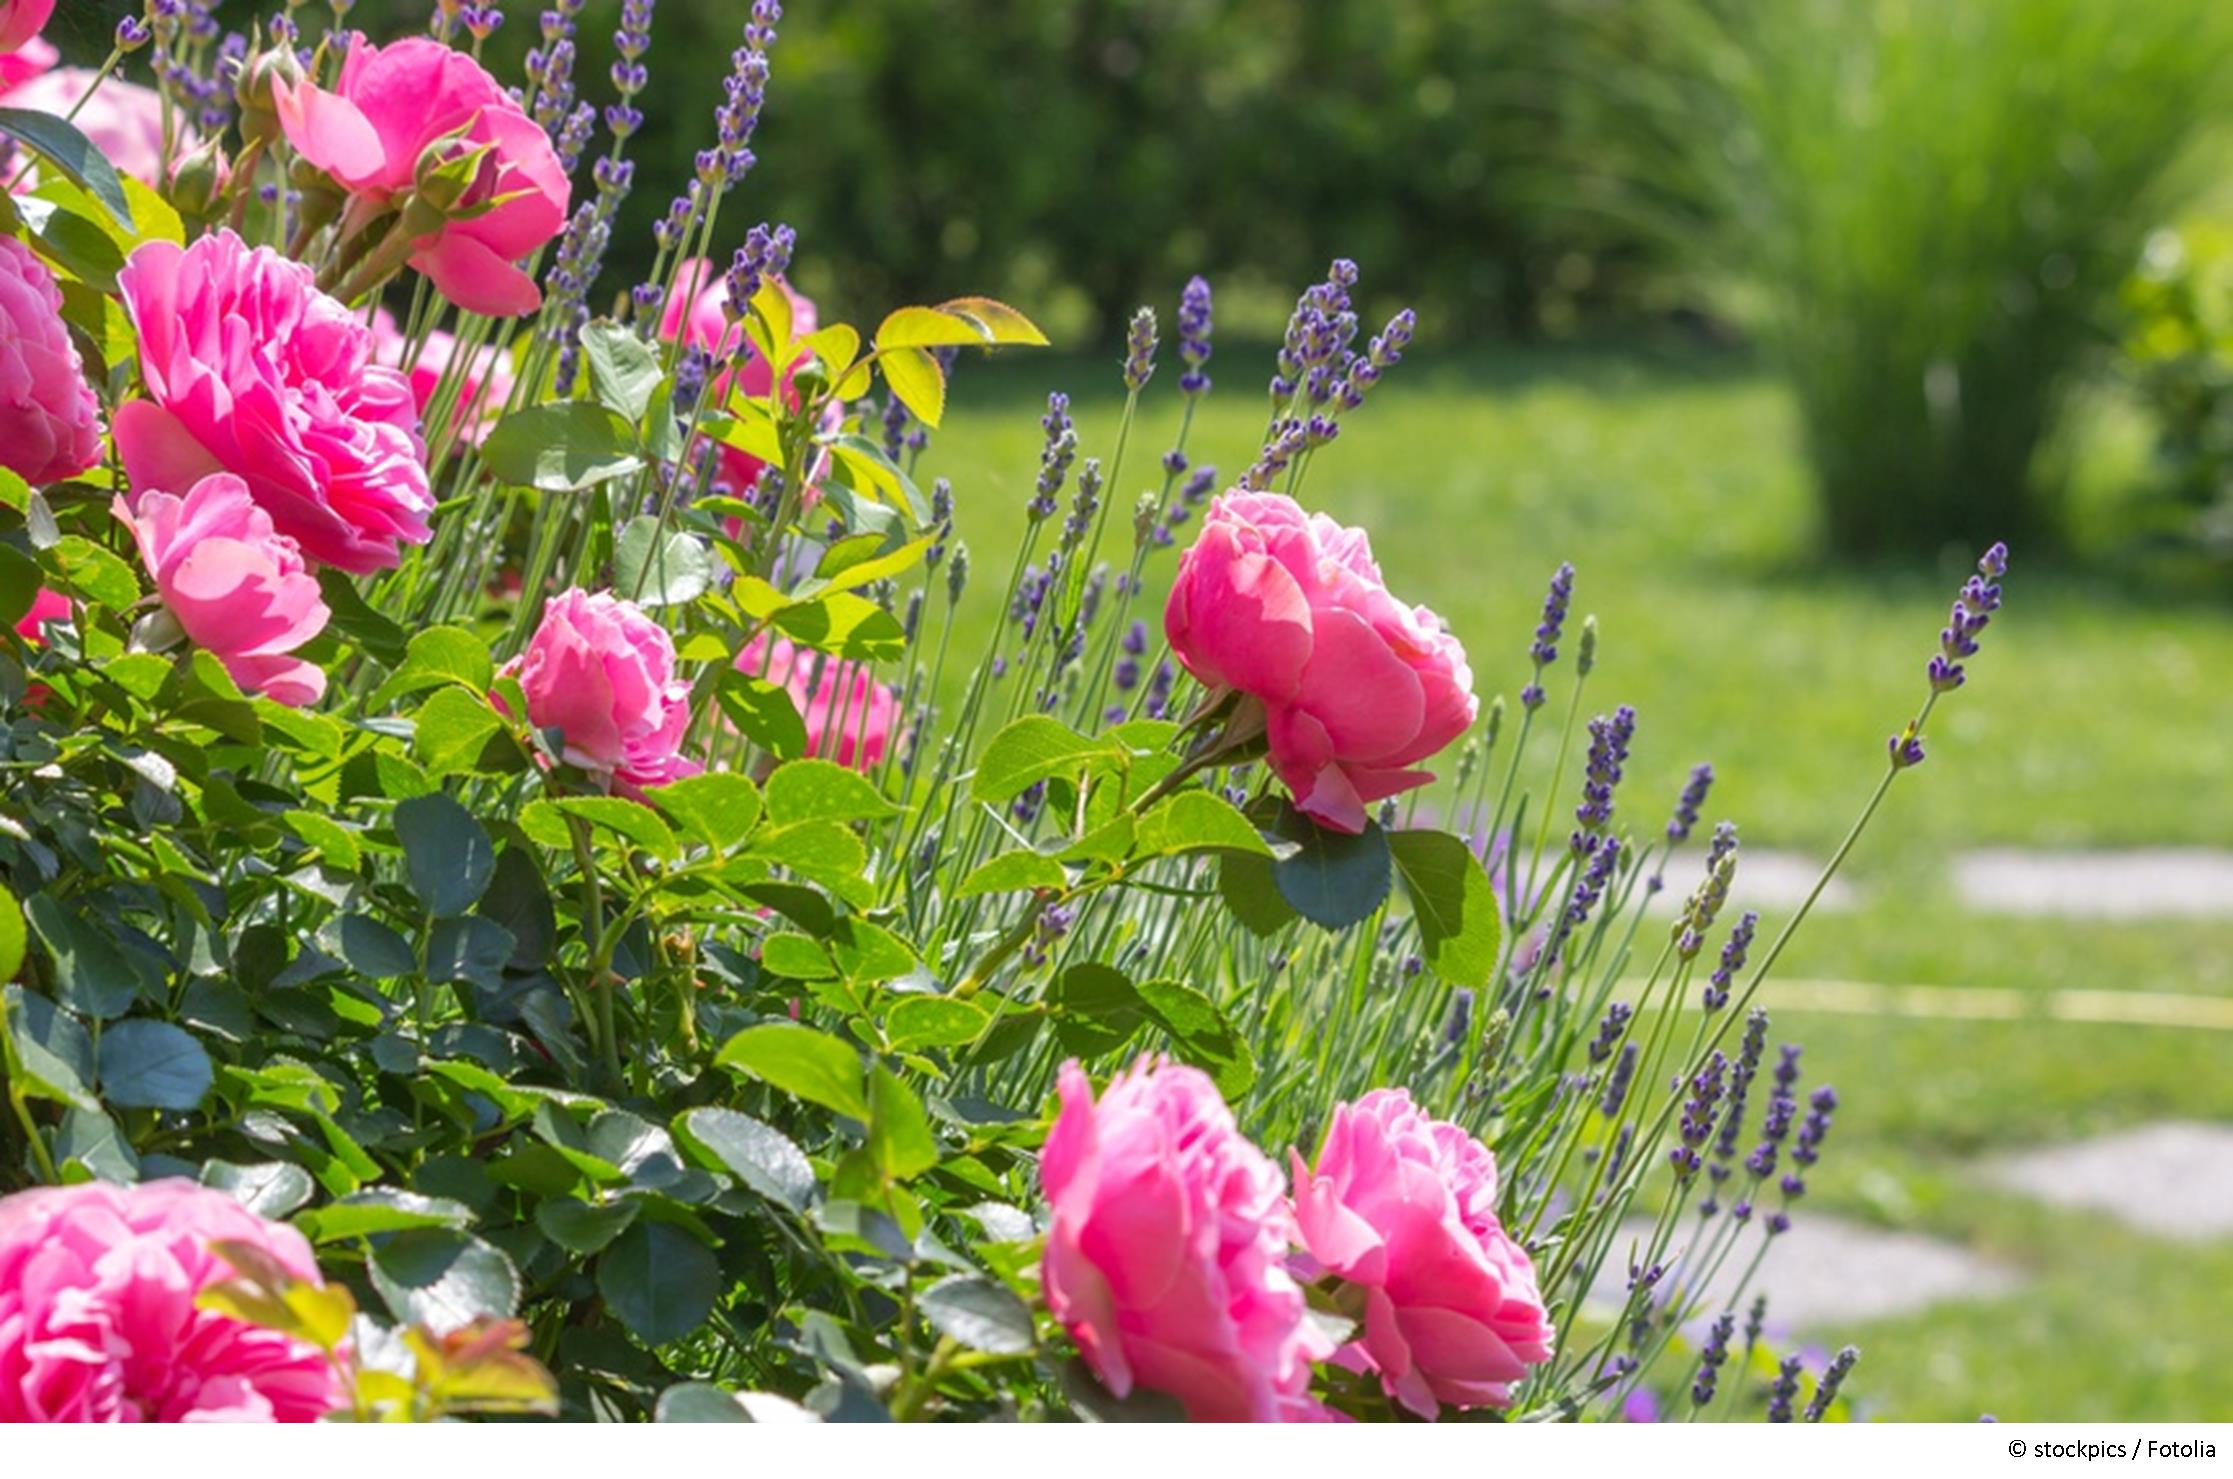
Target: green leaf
933,1022
445,851
90,1140
381,1209
659,1280
994,320
760,1156
372,949
699,1402
585,1227
862,560
916,378
61,145
1251,893
153,1065
928,328
1033,749
719,809
444,1279
93,572
452,730
1097,1009
1201,1034
1196,821
762,712
869,952
796,958
561,447
1332,879
899,1136
623,369
468,947
979,1314
352,618
631,821
1460,922
655,569
803,1063
1094,1403
435,656
1012,872
91,975
335,843
12,935
48,1050
845,624
270,1189
822,790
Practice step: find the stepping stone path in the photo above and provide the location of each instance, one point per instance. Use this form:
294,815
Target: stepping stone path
2135,884
1827,1273
2173,1179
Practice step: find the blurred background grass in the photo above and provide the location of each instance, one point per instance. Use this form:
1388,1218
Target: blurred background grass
1765,316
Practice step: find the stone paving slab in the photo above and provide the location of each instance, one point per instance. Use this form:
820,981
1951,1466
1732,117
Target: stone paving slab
2174,1179
1828,1273
2133,884
1767,878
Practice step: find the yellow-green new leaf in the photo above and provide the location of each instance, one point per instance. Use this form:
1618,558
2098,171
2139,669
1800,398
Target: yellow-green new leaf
916,378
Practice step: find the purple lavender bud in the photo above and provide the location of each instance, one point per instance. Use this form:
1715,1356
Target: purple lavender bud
1994,564
1826,1390
1906,749
1610,1030
1055,457
1686,806
690,379
1784,1390
1821,1107
1460,1020
1732,961
1159,689
1194,336
132,33
1531,697
1544,652
1608,752
1623,1073
1139,350
1711,1354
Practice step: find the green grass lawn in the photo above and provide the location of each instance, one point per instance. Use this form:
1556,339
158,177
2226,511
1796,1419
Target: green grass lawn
2098,715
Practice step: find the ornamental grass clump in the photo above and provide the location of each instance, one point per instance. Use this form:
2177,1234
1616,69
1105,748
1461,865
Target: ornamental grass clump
516,902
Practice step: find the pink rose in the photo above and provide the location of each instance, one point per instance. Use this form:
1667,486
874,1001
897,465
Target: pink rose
1167,1256
123,119
50,424
251,370
480,391
1357,688
98,1321
390,105
1404,1207
697,312
850,718
46,606
602,674
21,65
21,22
235,586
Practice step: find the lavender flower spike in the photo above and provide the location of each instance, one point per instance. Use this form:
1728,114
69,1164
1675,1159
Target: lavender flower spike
1194,336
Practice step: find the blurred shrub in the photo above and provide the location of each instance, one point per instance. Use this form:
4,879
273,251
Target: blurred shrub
2178,354
1096,152
1939,201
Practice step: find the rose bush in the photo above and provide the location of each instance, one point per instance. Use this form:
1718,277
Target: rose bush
652,933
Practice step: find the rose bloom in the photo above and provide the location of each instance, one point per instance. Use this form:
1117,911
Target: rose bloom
1404,1207
21,22
24,63
481,390
1357,689
850,717
388,106
251,370
98,1321
1166,1258
236,587
602,674
50,423
697,313
46,606
123,119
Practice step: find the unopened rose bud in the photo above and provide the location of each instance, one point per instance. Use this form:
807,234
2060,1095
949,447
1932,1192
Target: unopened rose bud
199,181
